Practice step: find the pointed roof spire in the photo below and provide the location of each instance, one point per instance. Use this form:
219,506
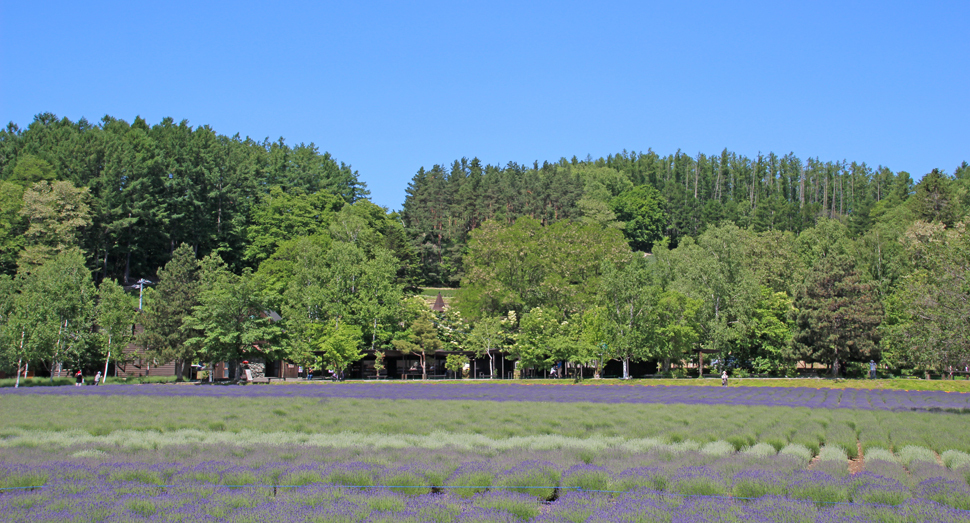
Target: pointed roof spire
439,303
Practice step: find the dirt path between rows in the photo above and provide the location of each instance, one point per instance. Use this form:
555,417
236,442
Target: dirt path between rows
857,465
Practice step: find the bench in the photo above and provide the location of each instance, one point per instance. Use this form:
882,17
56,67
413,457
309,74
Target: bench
265,380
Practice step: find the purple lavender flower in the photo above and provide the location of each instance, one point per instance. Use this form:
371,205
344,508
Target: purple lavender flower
763,396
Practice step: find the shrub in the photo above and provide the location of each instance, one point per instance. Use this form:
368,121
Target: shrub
586,477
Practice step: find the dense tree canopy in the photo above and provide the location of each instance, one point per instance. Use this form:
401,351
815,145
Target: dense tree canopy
148,189
261,248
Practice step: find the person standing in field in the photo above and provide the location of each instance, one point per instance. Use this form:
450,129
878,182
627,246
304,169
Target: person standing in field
872,369
97,378
724,378
78,379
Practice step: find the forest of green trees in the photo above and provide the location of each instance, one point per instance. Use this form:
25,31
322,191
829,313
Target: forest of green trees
766,261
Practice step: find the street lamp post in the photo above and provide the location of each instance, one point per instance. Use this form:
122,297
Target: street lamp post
141,287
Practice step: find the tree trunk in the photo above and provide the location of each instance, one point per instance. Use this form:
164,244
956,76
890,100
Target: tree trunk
104,265
127,263
801,186
373,337
825,194
717,184
104,375
23,332
626,367
57,349
697,168
219,214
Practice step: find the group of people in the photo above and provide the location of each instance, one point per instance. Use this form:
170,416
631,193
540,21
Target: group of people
79,378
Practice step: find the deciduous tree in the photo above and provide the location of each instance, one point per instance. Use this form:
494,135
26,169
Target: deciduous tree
420,339
116,315
487,335
55,214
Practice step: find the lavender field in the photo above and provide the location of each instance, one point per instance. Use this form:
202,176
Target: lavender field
290,484
868,399
480,453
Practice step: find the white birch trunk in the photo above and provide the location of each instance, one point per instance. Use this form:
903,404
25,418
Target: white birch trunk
104,375
20,360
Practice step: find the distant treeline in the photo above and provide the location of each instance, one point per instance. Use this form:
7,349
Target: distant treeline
769,192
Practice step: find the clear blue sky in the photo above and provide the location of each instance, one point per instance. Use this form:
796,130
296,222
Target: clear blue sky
389,87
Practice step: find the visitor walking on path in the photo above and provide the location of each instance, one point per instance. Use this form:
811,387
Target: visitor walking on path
78,379
724,378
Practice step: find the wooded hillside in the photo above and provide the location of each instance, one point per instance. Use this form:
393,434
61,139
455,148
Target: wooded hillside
766,261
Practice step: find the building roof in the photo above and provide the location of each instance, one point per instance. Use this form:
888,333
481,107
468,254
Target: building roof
439,303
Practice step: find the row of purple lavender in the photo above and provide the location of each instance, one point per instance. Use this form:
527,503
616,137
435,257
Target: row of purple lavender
738,475
868,399
74,501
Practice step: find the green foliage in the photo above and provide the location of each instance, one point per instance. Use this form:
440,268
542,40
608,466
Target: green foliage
281,216
330,283
715,270
674,326
231,320
420,339
456,362
934,200
769,344
30,170
49,310
12,226
155,187
767,193
55,213
925,326
837,314
339,347
167,306
116,316
641,209
528,265
630,292
276,273
515,237
488,334
540,334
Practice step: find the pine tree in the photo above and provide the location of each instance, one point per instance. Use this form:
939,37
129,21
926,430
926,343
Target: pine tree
838,314
167,305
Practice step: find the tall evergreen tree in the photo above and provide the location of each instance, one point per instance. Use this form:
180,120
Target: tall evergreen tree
165,334
838,314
